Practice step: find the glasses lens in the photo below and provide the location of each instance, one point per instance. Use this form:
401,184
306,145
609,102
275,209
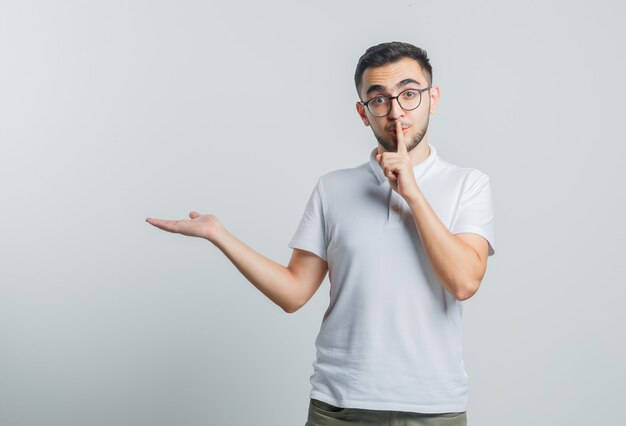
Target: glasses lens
410,99
379,106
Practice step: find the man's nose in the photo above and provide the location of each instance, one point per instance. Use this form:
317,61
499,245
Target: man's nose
396,110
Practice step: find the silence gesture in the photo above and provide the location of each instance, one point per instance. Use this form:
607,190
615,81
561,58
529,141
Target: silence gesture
398,168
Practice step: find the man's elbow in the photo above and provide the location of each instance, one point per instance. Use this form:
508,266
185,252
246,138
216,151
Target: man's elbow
290,309
468,284
466,290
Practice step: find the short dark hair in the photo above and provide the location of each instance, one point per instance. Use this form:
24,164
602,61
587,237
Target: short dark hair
386,53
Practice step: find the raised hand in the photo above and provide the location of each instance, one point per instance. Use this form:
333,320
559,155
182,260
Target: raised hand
398,168
204,226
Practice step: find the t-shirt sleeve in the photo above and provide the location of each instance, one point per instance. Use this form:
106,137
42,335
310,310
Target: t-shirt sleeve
310,234
475,214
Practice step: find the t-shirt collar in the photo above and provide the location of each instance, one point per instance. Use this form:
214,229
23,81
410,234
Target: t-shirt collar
419,170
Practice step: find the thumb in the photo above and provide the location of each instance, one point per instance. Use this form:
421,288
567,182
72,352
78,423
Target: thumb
193,214
378,158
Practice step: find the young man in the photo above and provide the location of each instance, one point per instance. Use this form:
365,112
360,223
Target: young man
405,238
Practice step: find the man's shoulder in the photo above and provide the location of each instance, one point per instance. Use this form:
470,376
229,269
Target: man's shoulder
450,170
347,176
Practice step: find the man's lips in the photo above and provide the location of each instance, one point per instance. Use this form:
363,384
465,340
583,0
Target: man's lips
404,129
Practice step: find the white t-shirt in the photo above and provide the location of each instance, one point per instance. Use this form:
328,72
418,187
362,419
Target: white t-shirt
391,338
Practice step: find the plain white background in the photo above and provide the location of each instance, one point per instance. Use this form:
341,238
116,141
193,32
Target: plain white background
114,111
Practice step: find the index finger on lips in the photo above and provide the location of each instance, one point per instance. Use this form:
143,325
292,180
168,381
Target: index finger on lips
401,148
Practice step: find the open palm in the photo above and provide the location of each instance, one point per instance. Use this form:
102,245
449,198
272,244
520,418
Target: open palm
198,225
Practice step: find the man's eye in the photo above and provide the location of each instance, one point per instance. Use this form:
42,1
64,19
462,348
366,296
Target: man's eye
379,100
410,94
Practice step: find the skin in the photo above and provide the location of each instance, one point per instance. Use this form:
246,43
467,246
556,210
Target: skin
458,261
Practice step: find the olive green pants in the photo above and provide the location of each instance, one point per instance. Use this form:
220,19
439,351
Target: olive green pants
323,414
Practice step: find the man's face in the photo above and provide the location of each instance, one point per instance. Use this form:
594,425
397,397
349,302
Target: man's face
390,80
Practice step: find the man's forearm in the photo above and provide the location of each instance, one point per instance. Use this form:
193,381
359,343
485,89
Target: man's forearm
455,264
272,279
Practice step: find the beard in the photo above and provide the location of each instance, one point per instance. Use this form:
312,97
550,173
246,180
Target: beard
412,144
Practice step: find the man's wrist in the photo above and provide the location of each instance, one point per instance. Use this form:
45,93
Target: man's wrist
415,198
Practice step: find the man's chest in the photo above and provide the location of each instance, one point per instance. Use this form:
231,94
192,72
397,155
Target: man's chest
378,209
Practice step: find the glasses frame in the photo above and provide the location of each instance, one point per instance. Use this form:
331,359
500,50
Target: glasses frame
391,98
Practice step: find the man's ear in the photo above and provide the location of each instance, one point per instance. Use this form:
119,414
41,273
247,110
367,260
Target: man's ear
434,99
361,110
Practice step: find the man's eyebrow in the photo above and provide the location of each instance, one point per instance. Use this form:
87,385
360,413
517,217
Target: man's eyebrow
380,88
374,88
407,81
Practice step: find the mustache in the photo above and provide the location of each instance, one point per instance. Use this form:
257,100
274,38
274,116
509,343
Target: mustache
392,127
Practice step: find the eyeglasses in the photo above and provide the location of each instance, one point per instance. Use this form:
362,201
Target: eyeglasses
408,100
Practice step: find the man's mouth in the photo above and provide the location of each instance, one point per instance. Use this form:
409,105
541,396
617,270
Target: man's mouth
393,131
